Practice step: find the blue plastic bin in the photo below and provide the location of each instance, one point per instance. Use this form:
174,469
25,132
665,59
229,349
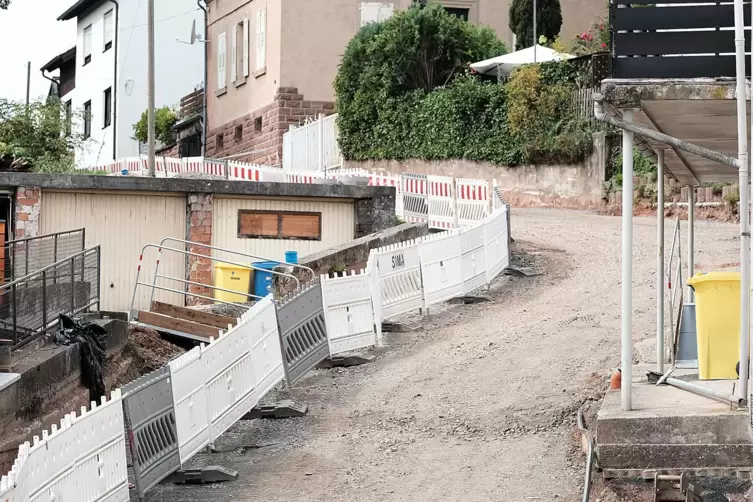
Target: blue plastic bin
291,257
263,276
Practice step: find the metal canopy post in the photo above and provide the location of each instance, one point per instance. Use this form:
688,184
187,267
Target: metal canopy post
627,264
691,239
660,262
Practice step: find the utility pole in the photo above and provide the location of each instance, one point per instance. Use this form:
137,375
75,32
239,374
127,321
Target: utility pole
150,87
28,83
535,38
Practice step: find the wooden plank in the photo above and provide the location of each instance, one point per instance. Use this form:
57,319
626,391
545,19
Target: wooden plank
207,318
258,224
676,67
676,18
171,323
302,226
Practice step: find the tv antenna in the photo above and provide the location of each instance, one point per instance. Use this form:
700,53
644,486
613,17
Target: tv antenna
195,37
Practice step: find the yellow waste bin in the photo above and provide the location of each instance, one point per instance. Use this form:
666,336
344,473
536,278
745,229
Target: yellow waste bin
717,299
234,278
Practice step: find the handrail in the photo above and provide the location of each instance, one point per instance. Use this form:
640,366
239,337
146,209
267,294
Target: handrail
25,239
38,272
217,288
198,244
190,253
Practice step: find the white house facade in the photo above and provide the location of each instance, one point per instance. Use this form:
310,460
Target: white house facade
110,70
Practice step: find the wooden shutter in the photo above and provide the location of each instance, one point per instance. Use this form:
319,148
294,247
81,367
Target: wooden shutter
221,56
245,47
261,39
234,54
305,226
258,224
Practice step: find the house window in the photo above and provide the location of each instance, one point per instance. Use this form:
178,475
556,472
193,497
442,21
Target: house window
87,119
108,107
261,39
221,60
257,124
87,44
234,54
68,117
458,12
109,30
239,132
376,12
279,225
219,142
245,50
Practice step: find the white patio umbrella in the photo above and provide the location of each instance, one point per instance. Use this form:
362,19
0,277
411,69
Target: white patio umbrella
503,65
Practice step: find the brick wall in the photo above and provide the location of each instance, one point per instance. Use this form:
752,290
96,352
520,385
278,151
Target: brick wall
28,204
246,134
200,210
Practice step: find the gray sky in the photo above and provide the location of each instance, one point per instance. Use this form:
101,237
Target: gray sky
29,31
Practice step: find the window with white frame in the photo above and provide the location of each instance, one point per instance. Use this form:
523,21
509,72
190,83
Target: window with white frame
221,58
87,44
109,29
376,12
246,41
261,39
234,53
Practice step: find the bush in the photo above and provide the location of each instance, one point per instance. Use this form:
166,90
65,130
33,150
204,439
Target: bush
164,120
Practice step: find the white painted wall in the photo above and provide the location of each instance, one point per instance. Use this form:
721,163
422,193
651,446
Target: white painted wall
179,70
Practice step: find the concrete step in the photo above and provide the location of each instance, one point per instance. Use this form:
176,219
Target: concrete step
674,456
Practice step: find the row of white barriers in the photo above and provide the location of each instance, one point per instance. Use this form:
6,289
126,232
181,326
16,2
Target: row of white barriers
172,414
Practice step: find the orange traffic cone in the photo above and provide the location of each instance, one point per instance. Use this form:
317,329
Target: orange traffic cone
615,382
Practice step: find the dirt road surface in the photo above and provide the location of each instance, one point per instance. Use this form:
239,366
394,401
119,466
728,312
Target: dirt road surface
480,404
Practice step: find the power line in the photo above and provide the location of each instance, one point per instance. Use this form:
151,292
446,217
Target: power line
160,20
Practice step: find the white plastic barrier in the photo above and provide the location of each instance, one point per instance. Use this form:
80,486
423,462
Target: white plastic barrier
415,194
14,486
472,200
213,167
348,312
188,379
397,287
441,266
441,202
266,354
84,459
312,147
497,201
230,379
496,243
474,257
245,172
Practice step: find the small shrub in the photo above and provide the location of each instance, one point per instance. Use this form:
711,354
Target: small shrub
717,189
164,120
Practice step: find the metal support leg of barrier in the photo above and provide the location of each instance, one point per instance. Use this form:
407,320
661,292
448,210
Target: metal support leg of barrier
281,409
209,474
344,361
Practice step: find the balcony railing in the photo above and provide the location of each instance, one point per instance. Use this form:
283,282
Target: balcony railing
675,39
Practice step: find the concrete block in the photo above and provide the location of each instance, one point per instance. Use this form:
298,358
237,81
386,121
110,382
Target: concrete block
673,456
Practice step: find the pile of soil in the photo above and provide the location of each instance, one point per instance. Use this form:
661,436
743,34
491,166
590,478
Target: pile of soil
145,351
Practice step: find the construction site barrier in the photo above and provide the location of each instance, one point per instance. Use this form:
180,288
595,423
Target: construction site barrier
441,266
171,414
472,197
150,425
348,312
303,332
415,195
441,200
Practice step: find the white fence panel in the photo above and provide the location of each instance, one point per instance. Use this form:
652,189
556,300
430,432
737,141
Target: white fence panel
348,312
193,164
415,194
332,156
474,257
441,202
441,266
51,464
188,379
472,200
398,279
497,243
231,380
266,354
497,201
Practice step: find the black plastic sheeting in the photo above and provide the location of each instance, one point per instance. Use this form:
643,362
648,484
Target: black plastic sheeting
92,341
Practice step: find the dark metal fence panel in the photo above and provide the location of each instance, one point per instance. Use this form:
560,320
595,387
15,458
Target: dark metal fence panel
303,332
643,49
150,427
31,305
30,254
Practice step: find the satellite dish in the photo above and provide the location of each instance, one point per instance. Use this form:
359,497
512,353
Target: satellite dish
195,37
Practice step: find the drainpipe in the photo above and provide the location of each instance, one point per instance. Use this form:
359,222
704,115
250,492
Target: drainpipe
206,83
627,265
742,148
115,82
706,153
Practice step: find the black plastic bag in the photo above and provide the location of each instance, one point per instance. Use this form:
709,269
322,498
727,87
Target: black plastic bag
92,341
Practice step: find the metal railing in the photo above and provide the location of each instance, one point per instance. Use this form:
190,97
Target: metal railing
31,305
30,254
674,286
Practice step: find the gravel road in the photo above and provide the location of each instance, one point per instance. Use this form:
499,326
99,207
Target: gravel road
479,404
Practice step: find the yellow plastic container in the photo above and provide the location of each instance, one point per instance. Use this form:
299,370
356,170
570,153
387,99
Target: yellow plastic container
717,298
234,278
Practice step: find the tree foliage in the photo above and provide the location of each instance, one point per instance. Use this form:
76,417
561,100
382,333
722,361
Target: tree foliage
164,120
548,20
4,4
36,136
